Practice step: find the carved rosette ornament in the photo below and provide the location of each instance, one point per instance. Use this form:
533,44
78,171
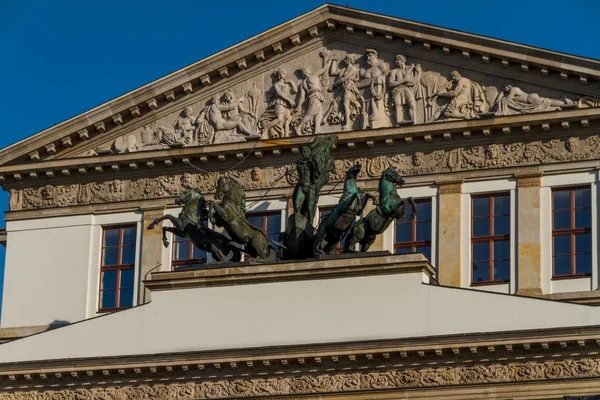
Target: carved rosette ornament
418,163
530,371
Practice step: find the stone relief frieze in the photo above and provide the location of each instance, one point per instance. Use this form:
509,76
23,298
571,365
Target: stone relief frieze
331,383
408,164
340,89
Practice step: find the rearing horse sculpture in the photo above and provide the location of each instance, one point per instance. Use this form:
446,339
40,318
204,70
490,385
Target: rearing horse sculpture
230,214
340,219
189,224
391,206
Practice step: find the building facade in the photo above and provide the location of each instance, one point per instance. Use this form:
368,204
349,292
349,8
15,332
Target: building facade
498,144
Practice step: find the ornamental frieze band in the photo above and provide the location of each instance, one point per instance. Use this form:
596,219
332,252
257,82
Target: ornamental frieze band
419,163
332,383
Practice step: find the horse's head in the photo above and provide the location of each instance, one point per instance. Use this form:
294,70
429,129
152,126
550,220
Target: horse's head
229,188
354,171
223,185
391,174
187,194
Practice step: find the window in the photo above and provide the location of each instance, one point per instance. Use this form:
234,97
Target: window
185,254
118,267
571,232
414,236
490,238
270,222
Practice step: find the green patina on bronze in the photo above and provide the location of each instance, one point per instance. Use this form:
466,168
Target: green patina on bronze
230,214
190,224
391,206
340,219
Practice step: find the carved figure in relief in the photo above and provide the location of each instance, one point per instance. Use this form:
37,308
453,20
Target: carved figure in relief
346,108
182,131
311,93
230,213
340,219
391,206
226,115
468,98
190,224
276,120
512,100
374,78
405,82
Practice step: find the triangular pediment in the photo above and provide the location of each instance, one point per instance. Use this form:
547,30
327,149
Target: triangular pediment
331,70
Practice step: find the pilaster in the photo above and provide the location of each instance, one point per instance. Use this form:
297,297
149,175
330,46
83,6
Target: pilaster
529,235
449,246
152,248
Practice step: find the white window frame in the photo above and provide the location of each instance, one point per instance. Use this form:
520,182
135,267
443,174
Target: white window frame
99,222
470,189
565,181
418,193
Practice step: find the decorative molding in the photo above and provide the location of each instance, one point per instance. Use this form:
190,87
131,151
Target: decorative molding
492,156
323,383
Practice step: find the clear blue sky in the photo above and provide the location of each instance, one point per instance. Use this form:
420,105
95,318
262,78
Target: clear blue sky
61,58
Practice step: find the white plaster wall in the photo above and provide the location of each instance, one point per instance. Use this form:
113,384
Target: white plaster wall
473,188
53,268
301,312
46,272
565,180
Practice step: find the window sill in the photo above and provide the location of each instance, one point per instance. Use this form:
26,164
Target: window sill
565,277
489,283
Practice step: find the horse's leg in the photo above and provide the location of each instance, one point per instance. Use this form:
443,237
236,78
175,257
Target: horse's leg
156,222
365,246
173,230
413,203
357,232
216,252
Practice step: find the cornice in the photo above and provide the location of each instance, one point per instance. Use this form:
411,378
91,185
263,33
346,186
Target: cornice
254,51
577,121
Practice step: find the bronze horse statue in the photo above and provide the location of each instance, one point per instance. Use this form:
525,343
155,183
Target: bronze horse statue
391,206
190,224
230,214
340,219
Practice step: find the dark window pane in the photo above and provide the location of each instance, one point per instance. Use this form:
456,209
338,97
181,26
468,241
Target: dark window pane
562,219
583,198
110,256
127,276
502,250
424,231
502,225
481,206
583,218
583,243
181,251
481,227
108,299
404,232
128,255
481,251
502,205
129,236
109,280
562,199
424,211
274,223
111,237
562,245
562,265
481,272
425,250
198,254
404,250
256,220
583,264
126,298
502,270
